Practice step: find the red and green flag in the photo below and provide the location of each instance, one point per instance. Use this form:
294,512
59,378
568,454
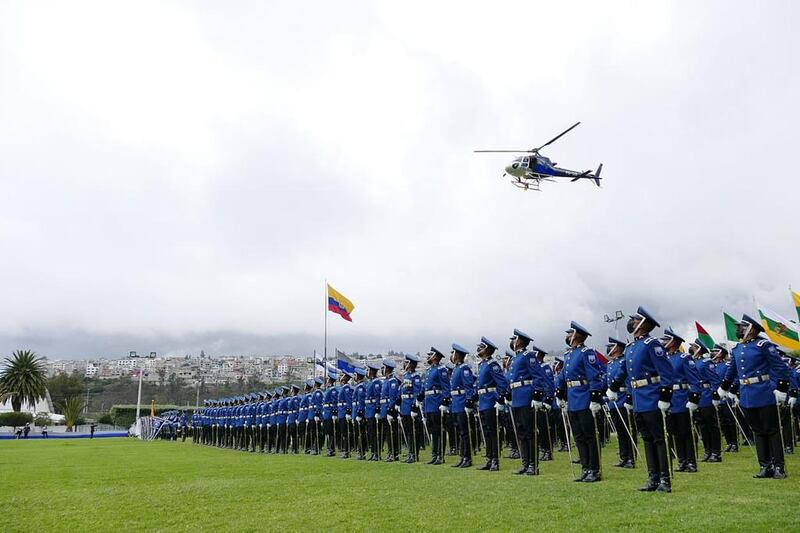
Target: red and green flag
704,337
730,327
796,300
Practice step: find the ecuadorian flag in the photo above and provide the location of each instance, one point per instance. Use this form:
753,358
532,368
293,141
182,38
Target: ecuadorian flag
339,304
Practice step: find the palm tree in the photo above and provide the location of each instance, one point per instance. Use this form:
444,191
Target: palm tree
23,379
72,408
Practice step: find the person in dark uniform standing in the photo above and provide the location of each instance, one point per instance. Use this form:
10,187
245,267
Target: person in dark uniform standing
371,408
524,397
462,392
619,414
359,411
648,375
390,395
330,399
544,418
448,420
410,389
756,365
504,415
492,389
582,389
434,401
685,397
707,414
727,422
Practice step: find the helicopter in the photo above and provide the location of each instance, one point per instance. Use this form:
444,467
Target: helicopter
529,171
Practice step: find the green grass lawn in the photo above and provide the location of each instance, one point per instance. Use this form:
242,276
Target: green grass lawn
121,484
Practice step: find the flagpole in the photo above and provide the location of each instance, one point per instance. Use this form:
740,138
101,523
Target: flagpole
325,353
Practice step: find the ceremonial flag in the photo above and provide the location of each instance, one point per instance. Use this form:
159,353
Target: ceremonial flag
344,362
704,337
338,304
730,327
796,300
601,357
779,330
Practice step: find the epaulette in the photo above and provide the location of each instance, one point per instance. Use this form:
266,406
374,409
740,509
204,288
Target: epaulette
761,343
585,348
685,355
648,340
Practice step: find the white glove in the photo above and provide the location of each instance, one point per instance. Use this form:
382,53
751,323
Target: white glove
722,393
548,406
443,409
389,418
358,419
562,404
296,422
735,400
664,406
269,425
628,406
715,403
498,406
611,395
419,404
347,417
377,416
316,419
536,404
595,407
468,410
691,406
260,426
780,397
414,414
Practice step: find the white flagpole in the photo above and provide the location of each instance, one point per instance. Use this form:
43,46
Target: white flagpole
325,353
138,404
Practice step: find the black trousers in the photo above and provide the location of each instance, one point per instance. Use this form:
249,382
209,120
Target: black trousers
583,425
504,420
621,422
543,420
450,429
372,434
787,420
764,421
329,434
464,437
391,431
561,431
488,418
651,427
434,421
526,433
728,423
709,429
410,431
682,437
343,434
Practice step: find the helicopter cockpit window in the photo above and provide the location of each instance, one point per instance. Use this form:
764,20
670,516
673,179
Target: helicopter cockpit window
525,162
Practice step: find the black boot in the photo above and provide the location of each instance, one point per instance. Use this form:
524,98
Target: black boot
765,472
514,454
459,463
433,459
547,456
592,476
664,485
621,463
780,473
522,470
487,466
706,457
582,476
691,468
437,461
467,463
629,464
495,466
651,485
681,466
715,458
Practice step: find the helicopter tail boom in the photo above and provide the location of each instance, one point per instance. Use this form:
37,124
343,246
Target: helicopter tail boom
596,177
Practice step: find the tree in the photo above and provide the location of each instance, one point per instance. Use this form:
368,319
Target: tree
62,386
23,379
72,408
162,375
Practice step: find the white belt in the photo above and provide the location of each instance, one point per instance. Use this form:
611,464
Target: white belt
521,383
646,381
754,379
487,390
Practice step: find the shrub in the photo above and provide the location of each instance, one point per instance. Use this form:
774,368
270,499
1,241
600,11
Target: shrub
15,419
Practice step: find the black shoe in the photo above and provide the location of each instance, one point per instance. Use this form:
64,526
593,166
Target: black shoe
487,466
691,468
734,448
437,461
681,466
389,459
629,464
715,458
467,463
433,460
780,473
530,471
522,470
452,451
330,454
706,457
582,476
729,448
765,472
459,463
592,477
651,485
563,448
547,456
621,463
788,450
664,485
514,454
495,466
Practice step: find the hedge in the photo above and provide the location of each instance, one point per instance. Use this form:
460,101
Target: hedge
124,415
15,419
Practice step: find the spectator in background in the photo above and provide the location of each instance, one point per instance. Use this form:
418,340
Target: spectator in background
44,432
92,427
27,429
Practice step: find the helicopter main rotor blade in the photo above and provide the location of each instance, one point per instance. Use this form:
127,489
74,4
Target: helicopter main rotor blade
501,151
557,137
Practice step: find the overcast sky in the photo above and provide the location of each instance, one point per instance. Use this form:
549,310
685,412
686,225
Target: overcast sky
185,176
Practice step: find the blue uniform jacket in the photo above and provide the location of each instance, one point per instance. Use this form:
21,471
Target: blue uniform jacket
410,388
704,372
647,373
302,411
437,388
754,365
612,371
527,379
389,394
462,387
359,398
582,376
317,399
329,402
492,383
373,397
686,380
345,400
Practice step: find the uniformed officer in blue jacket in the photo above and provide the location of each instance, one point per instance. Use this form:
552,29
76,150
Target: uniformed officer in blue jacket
492,388
302,416
329,405
462,392
684,403
372,408
435,399
707,415
648,375
390,395
620,415
410,389
359,408
582,389
448,420
315,414
504,415
544,417
526,383
764,386
727,422
345,413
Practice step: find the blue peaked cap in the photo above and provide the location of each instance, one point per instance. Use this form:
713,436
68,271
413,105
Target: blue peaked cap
580,329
